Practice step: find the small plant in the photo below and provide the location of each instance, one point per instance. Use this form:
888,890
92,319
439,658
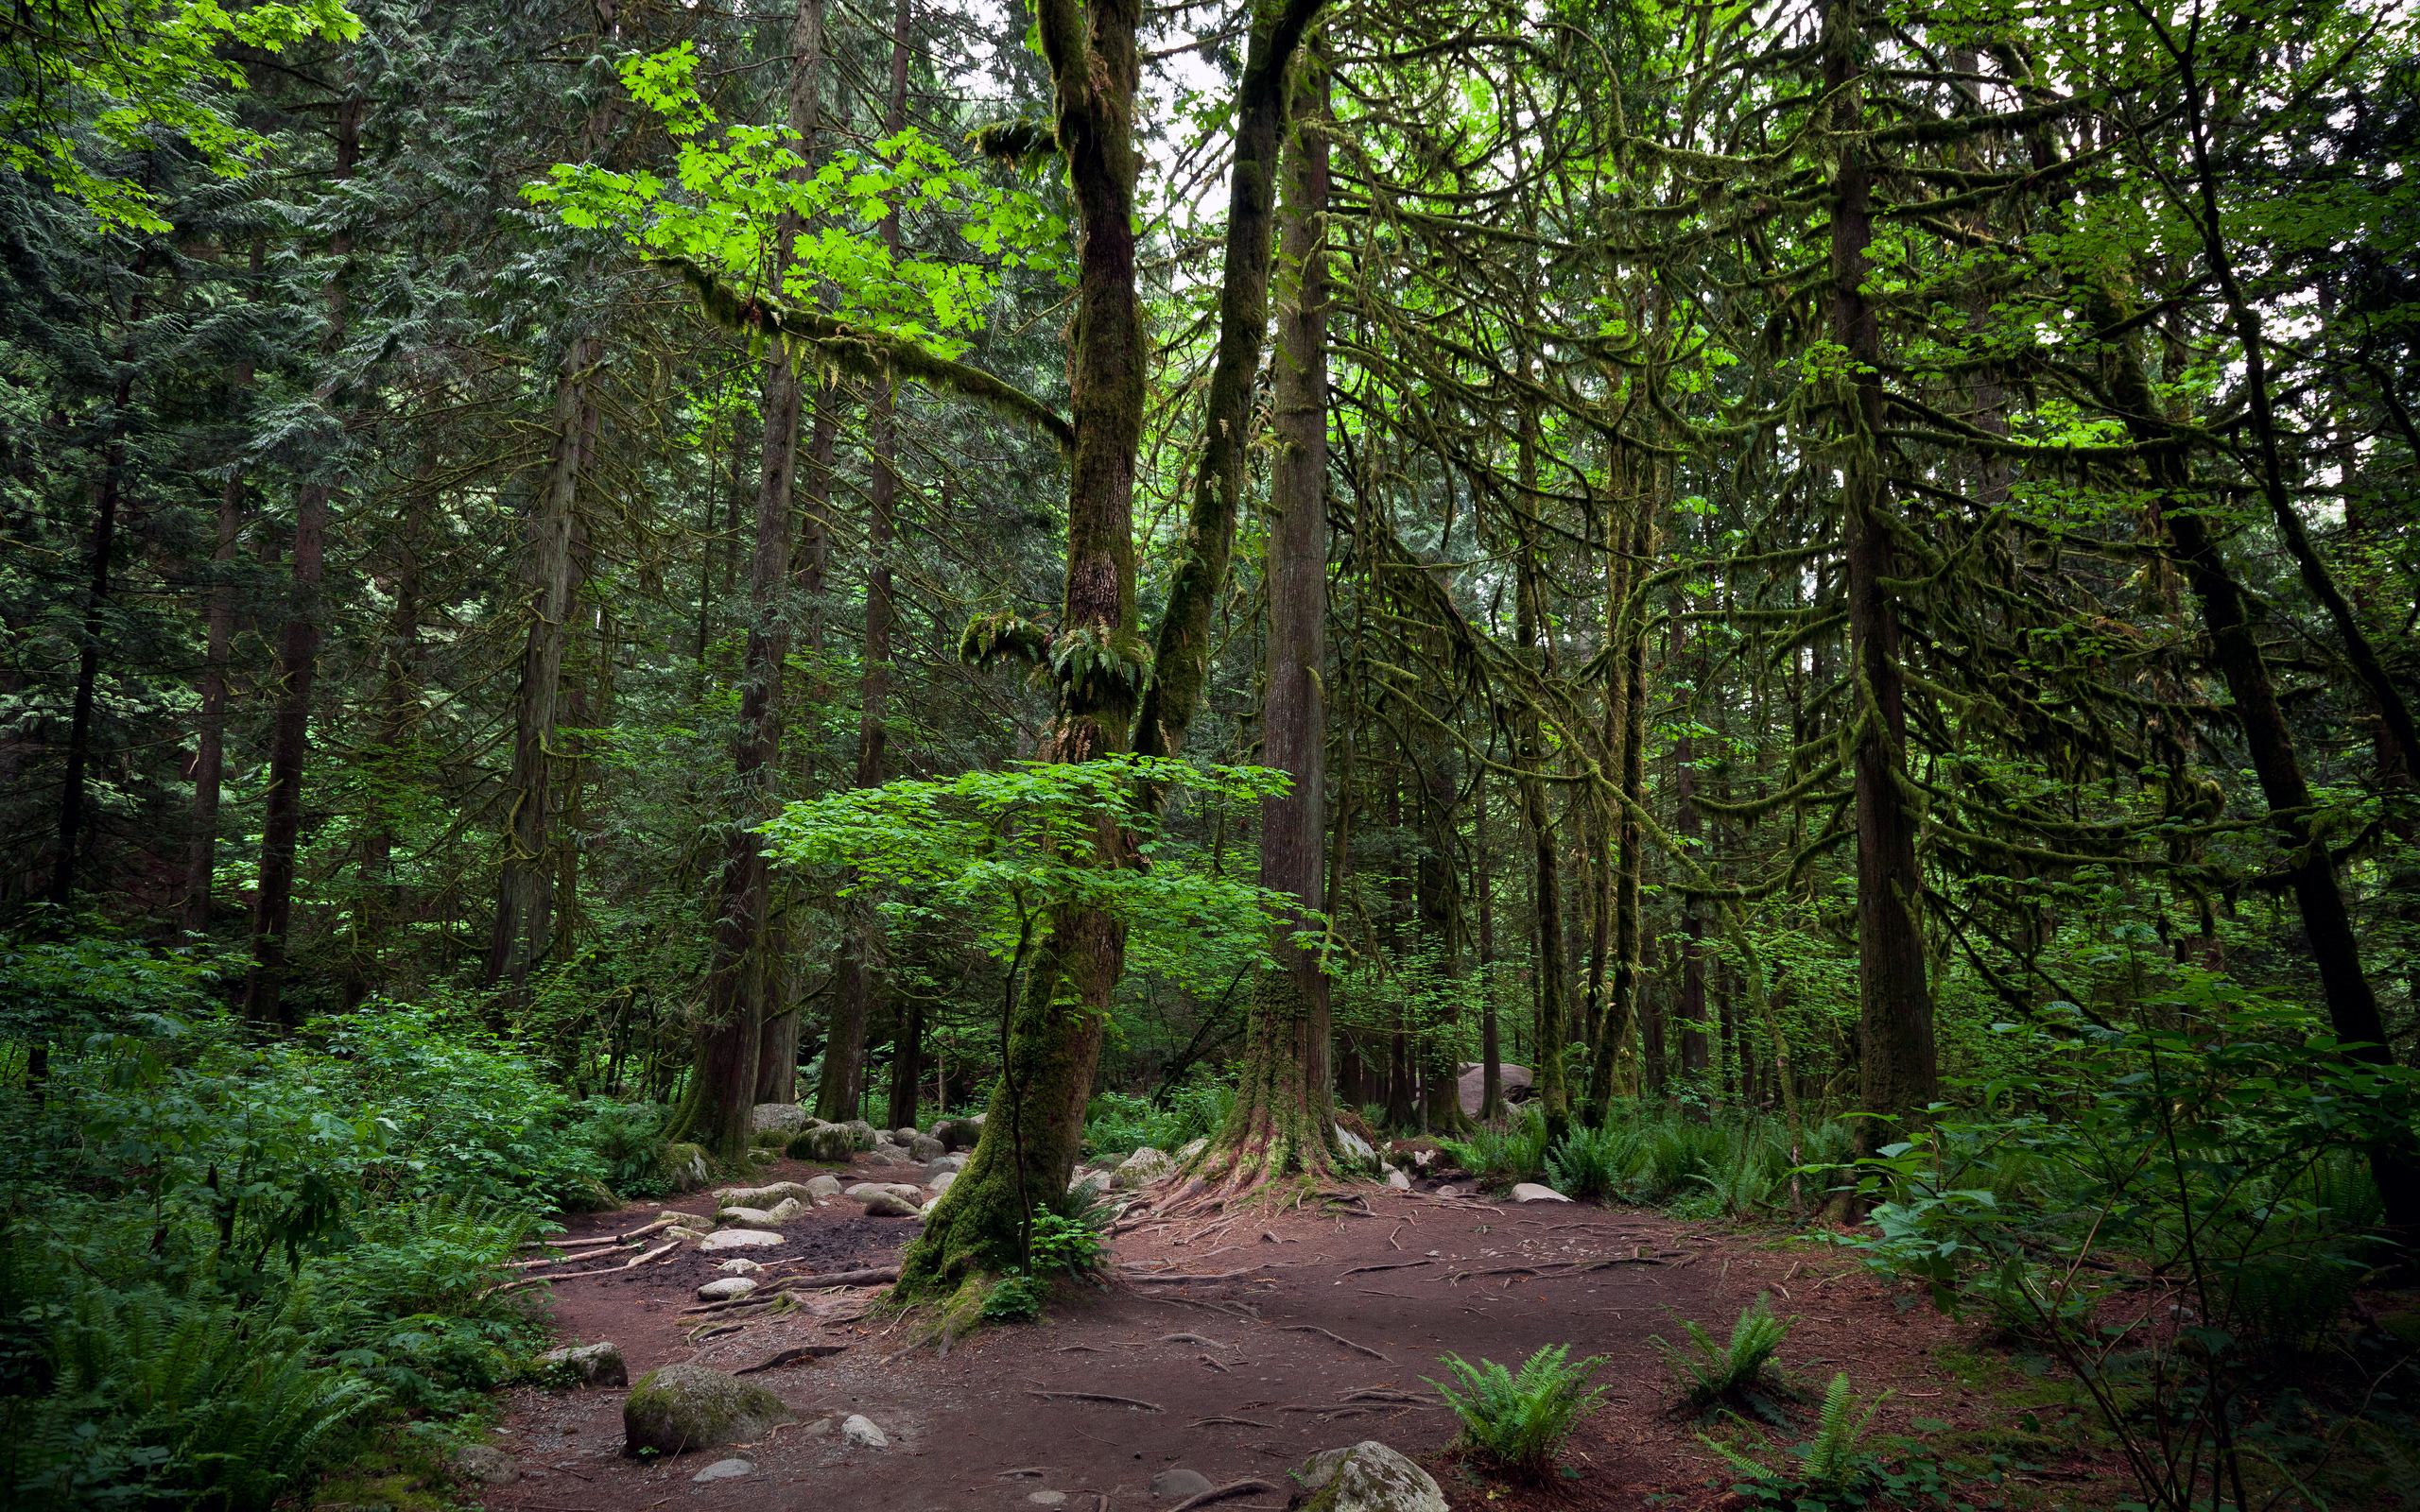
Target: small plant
1015,1297
1516,1152
1833,1465
1732,1373
1067,1244
1588,1162
1518,1423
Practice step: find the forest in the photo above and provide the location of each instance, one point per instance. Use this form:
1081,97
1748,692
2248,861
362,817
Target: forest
1794,623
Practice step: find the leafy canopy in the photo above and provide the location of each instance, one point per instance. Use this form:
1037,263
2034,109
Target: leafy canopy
733,185
1006,846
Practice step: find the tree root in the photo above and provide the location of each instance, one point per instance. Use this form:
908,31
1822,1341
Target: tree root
1221,1494
1357,1348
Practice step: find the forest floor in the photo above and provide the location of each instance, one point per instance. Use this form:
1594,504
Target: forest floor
1248,1375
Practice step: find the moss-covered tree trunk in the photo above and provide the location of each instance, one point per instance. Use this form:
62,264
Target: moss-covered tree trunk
1034,1129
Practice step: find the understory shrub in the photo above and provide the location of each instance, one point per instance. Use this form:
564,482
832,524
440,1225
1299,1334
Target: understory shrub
1512,1151
1737,1371
1518,1423
1117,1124
1834,1467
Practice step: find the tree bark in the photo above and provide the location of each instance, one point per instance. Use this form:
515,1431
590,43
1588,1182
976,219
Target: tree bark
297,665
106,497
731,1035
1549,960
1897,1070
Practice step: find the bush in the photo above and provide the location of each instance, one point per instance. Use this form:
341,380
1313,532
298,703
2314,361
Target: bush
1734,1372
1588,1162
1514,1152
1518,1423
1834,1464
1117,1124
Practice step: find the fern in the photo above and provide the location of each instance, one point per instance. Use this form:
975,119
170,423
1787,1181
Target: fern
1834,1462
1734,1371
1588,1163
1518,1423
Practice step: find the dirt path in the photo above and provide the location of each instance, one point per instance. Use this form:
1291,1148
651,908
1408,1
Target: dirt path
1322,1338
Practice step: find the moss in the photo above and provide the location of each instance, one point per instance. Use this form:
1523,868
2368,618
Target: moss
687,1406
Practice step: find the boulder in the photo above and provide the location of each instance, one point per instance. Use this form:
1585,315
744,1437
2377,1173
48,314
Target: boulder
865,1190
1177,1483
1096,1181
723,1470
762,1157
1473,1083
1354,1145
683,1407
681,1167
1531,1191
926,1147
891,1204
770,1138
587,1194
958,1133
948,1162
1192,1149
940,1183
787,1117
1142,1168
888,1155
905,1134
747,1217
721,1240
823,1188
1398,1180
684,1233
789,1208
726,1289
1368,1477
832,1144
742,1267
765,1197
859,1430
864,1132
487,1464
588,1365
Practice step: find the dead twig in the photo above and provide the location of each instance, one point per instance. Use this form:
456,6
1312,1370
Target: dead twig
1357,1348
1399,1265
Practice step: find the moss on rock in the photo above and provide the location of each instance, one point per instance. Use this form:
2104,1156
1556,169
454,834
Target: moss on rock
683,1407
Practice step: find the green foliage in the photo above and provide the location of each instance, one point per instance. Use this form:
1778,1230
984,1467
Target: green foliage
734,186
130,73
1003,848
1067,1244
1835,1469
1117,1124
1588,1163
1517,1423
1512,1151
1734,1372
1016,1297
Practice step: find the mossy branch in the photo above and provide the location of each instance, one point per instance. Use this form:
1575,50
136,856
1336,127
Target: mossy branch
864,352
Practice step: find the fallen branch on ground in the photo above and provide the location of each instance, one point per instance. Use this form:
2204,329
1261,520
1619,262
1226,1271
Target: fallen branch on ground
1094,1396
881,1277
1237,1422
1212,1276
1357,1348
1400,1265
805,1352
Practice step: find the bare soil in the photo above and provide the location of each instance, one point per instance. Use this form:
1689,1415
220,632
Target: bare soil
1317,1329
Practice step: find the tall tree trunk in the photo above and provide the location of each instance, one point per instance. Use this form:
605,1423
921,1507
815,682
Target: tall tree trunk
106,498
1491,1043
1897,1069
1530,612
861,954
297,665
1035,1130
1626,755
523,930
731,1034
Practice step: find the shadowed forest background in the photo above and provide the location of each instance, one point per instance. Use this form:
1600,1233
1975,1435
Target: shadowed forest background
1832,584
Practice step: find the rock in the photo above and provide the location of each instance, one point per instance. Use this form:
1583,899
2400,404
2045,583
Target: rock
859,1430
1398,1180
765,1197
1142,1168
787,1117
487,1464
1083,1179
926,1147
723,1470
682,1167
1448,1191
1354,1145
958,1133
940,1183
739,1267
587,1194
771,1139
1185,1156
687,1407
762,1157
590,1365
864,1132
822,1188
1473,1084
890,1205
888,1155
1531,1191
715,1243
726,1289
1368,1477
1178,1482
935,1169
683,1233
747,1217
789,1208
1046,1498
905,1134
832,1144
